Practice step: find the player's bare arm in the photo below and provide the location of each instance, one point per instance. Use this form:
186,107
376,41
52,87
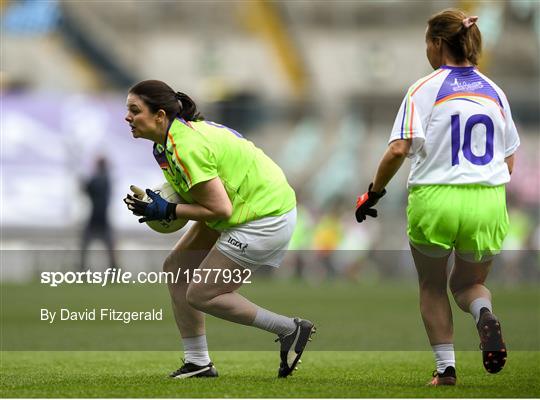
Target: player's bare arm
390,163
211,200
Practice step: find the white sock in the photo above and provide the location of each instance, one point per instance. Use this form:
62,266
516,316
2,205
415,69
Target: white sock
272,322
196,350
477,304
444,356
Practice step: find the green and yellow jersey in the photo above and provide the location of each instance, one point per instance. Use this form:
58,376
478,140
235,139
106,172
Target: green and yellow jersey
197,151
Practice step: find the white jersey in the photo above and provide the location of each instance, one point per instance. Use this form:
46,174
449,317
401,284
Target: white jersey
461,129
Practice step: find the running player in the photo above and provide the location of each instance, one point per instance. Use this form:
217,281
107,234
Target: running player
245,212
457,127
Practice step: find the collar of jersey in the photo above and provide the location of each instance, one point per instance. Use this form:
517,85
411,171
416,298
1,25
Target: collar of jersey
166,135
169,128
468,68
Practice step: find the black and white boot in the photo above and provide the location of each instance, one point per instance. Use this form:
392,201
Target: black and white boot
190,370
293,345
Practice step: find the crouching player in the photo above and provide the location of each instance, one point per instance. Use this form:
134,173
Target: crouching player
245,212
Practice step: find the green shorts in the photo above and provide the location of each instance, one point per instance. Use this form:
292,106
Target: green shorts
472,219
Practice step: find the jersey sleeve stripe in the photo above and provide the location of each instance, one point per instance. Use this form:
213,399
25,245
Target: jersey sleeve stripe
406,118
403,118
414,89
411,121
186,172
407,123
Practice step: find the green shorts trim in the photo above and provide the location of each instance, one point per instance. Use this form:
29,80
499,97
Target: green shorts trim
472,219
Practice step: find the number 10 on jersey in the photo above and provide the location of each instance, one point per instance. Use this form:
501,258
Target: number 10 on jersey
472,121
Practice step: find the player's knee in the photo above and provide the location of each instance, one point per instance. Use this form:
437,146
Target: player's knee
455,287
196,297
170,265
459,285
192,298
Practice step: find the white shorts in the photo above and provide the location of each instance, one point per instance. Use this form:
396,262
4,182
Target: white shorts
260,242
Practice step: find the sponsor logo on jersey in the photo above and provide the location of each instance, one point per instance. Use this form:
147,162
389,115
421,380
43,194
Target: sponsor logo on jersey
241,246
466,86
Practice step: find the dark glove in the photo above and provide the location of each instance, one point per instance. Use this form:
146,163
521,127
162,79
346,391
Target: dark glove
157,209
365,203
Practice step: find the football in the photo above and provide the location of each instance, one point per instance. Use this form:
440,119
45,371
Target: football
166,191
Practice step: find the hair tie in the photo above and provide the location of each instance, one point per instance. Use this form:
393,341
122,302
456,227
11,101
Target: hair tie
469,21
178,96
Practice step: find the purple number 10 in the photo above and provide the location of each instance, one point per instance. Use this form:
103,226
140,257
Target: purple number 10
467,152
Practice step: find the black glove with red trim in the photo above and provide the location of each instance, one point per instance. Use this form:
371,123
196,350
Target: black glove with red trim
365,203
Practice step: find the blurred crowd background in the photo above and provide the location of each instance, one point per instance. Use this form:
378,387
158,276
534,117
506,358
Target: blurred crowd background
316,84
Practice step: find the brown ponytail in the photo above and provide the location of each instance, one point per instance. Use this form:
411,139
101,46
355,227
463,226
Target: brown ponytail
188,108
459,32
157,95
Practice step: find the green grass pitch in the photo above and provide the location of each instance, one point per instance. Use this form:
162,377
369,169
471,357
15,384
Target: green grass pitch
370,343
253,374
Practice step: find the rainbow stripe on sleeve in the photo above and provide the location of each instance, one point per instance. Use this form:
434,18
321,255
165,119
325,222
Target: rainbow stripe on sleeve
407,121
